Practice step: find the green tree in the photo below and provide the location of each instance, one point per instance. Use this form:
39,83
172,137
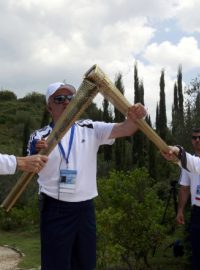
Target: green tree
107,149
125,237
181,124
6,95
120,150
136,85
196,113
180,98
157,118
45,117
35,98
175,111
139,140
92,112
141,92
151,154
189,124
178,124
162,108
163,169
26,136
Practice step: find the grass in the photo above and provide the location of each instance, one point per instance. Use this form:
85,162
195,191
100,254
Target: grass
165,261
164,258
25,241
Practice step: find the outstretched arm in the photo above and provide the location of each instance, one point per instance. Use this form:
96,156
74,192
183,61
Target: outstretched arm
129,126
185,160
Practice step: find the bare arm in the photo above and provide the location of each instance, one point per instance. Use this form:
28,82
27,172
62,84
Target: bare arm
183,196
185,160
173,150
129,126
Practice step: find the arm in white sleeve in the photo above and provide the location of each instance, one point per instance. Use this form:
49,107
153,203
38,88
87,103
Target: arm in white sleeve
8,164
193,163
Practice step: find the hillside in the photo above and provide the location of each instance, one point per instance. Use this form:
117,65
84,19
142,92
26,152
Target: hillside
15,115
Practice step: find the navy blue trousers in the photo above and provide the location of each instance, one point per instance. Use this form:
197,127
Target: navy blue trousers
68,235
195,237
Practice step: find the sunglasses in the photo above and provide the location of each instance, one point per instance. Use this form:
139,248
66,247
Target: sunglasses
61,99
195,137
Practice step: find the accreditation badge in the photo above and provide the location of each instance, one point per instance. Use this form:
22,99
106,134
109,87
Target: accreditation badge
197,197
67,181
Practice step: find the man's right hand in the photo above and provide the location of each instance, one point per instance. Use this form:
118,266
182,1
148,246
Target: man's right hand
171,154
180,218
34,163
41,144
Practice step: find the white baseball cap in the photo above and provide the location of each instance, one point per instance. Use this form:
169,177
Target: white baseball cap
52,88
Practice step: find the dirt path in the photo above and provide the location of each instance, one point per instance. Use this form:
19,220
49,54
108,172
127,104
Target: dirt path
9,258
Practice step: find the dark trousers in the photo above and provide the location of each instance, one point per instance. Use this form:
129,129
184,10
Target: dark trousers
68,235
195,237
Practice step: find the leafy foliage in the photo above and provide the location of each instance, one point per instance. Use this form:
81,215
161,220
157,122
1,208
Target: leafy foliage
21,216
6,95
128,220
34,97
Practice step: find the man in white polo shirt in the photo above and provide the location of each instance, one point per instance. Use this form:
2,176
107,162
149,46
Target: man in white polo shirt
9,163
68,183
190,185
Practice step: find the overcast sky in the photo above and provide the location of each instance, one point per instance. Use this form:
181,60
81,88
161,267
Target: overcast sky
43,41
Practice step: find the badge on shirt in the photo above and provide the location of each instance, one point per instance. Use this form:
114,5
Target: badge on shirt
67,181
197,197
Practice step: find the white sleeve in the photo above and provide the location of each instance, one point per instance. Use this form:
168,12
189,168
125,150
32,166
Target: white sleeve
103,131
184,179
8,164
193,163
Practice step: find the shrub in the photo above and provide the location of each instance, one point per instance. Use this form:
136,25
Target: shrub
128,220
6,95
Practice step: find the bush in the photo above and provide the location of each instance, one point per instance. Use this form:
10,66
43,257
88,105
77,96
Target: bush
6,95
34,98
128,220
19,217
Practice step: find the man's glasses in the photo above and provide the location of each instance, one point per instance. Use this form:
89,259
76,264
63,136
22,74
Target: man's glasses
195,137
61,99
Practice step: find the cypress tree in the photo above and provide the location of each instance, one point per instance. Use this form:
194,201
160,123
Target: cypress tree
163,169
176,102
136,85
180,97
188,127
197,111
157,118
107,149
162,108
175,111
120,152
141,92
178,125
138,150
151,154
